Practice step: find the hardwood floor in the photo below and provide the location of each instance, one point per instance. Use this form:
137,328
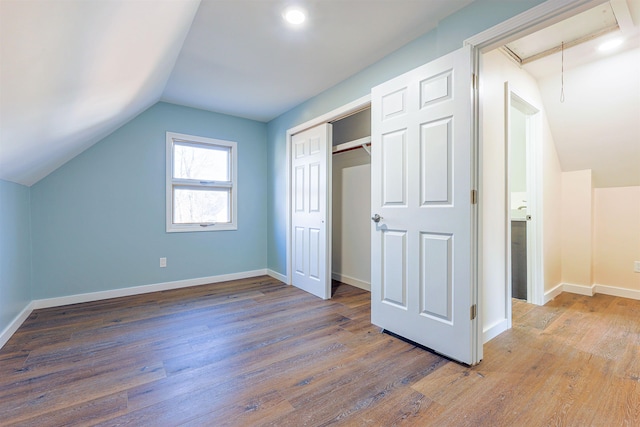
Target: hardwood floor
257,352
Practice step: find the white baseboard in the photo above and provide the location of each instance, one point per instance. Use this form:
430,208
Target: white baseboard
284,279
578,289
15,324
144,289
495,330
552,293
591,291
351,281
617,292
122,292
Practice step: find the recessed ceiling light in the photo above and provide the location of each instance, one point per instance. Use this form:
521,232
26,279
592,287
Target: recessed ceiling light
611,44
294,16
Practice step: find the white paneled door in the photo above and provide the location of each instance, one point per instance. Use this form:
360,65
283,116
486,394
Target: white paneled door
423,215
309,210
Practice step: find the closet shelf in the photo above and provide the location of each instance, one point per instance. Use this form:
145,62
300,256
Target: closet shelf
362,142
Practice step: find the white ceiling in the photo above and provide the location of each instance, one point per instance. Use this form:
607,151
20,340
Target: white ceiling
622,13
240,58
583,26
73,71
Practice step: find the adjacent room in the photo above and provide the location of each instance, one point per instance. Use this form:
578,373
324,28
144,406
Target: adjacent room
238,212
563,104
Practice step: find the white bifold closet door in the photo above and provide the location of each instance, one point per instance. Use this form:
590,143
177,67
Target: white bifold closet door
310,210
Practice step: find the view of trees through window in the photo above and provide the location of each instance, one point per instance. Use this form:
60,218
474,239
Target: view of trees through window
203,194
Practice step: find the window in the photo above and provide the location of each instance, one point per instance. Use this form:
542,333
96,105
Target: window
201,184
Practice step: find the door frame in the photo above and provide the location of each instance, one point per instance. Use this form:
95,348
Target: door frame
535,267
333,115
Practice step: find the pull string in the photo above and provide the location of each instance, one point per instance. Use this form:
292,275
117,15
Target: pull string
562,75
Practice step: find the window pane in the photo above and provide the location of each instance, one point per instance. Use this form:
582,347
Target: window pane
196,206
201,163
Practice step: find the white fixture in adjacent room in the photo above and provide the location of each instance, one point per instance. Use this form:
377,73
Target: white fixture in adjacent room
611,44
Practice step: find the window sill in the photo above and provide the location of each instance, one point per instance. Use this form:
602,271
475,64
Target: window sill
199,228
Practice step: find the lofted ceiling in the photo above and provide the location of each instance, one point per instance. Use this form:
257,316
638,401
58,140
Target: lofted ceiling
73,71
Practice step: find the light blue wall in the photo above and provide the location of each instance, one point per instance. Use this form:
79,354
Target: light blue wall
15,251
98,222
448,36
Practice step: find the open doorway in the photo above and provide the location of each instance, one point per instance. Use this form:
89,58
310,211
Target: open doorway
561,74
522,122
351,200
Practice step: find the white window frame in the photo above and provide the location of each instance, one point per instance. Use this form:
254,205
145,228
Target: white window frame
232,185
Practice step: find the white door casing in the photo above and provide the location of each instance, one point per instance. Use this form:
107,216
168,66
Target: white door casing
516,99
310,209
423,248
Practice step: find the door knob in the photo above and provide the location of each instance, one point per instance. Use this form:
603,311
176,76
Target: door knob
376,218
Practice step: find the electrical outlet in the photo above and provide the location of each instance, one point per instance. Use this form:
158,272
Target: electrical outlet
163,262
636,266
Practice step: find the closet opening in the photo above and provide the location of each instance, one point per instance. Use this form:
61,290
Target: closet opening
351,200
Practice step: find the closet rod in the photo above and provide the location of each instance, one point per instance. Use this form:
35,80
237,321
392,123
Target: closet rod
365,146
352,145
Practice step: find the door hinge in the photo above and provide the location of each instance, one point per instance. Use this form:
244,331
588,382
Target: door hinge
474,311
474,81
474,197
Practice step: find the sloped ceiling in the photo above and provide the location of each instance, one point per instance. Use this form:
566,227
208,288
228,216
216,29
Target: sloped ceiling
73,71
597,126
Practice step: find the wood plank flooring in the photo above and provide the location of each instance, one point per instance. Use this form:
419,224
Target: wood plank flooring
255,352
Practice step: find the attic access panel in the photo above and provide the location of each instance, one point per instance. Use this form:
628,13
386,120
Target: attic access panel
578,29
